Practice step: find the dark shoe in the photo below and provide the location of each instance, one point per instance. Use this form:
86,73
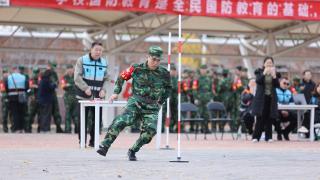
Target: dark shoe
59,129
286,136
102,150
134,130
68,132
91,144
132,155
5,129
279,137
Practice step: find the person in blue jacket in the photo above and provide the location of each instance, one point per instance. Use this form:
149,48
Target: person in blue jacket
286,121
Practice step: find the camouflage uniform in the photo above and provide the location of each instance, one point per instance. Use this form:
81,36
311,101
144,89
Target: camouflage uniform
224,91
55,105
33,103
238,86
150,90
186,93
70,102
202,91
295,87
185,87
4,103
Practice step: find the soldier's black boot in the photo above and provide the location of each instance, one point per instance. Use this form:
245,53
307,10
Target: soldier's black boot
132,155
59,129
102,150
5,129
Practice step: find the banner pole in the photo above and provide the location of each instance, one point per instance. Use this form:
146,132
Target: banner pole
179,95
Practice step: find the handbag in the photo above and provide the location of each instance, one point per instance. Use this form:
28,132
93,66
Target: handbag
22,96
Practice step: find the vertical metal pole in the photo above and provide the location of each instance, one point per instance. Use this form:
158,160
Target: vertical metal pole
159,127
168,99
82,125
96,125
312,125
179,89
179,95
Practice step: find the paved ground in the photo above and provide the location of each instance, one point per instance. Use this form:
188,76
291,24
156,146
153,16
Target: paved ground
56,156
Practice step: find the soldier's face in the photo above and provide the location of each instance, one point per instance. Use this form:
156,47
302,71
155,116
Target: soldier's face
70,71
96,52
153,63
203,71
173,73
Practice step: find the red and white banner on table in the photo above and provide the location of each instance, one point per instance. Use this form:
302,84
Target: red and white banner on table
263,9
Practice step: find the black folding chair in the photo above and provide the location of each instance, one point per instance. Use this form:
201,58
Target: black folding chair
218,114
186,110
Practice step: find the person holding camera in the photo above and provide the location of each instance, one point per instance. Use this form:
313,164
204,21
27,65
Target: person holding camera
265,106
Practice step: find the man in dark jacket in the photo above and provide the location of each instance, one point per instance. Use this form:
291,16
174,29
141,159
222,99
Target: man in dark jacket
46,95
307,85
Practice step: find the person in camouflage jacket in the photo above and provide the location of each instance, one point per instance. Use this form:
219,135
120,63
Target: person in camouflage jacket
203,93
151,87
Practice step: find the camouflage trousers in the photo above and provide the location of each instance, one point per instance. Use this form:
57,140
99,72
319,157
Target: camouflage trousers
134,111
55,110
203,111
32,112
70,103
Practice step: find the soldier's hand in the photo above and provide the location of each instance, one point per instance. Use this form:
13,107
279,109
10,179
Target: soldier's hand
102,94
113,97
88,92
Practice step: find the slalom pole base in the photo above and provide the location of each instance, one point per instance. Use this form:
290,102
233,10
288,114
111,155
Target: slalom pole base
167,148
179,160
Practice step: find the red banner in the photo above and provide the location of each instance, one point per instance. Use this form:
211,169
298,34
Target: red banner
263,9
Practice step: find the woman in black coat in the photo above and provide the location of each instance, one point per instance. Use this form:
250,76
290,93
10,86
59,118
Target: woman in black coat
265,106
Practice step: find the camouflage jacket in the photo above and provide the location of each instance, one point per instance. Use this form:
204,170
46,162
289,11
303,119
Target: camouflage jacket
174,83
68,85
202,88
148,86
33,85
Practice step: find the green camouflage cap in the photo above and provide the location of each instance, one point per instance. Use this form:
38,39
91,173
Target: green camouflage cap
296,78
156,52
35,70
186,71
240,68
244,70
21,68
225,71
52,63
203,66
69,66
173,67
190,71
5,70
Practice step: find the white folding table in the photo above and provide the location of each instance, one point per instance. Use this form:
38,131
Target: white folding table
299,109
96,104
